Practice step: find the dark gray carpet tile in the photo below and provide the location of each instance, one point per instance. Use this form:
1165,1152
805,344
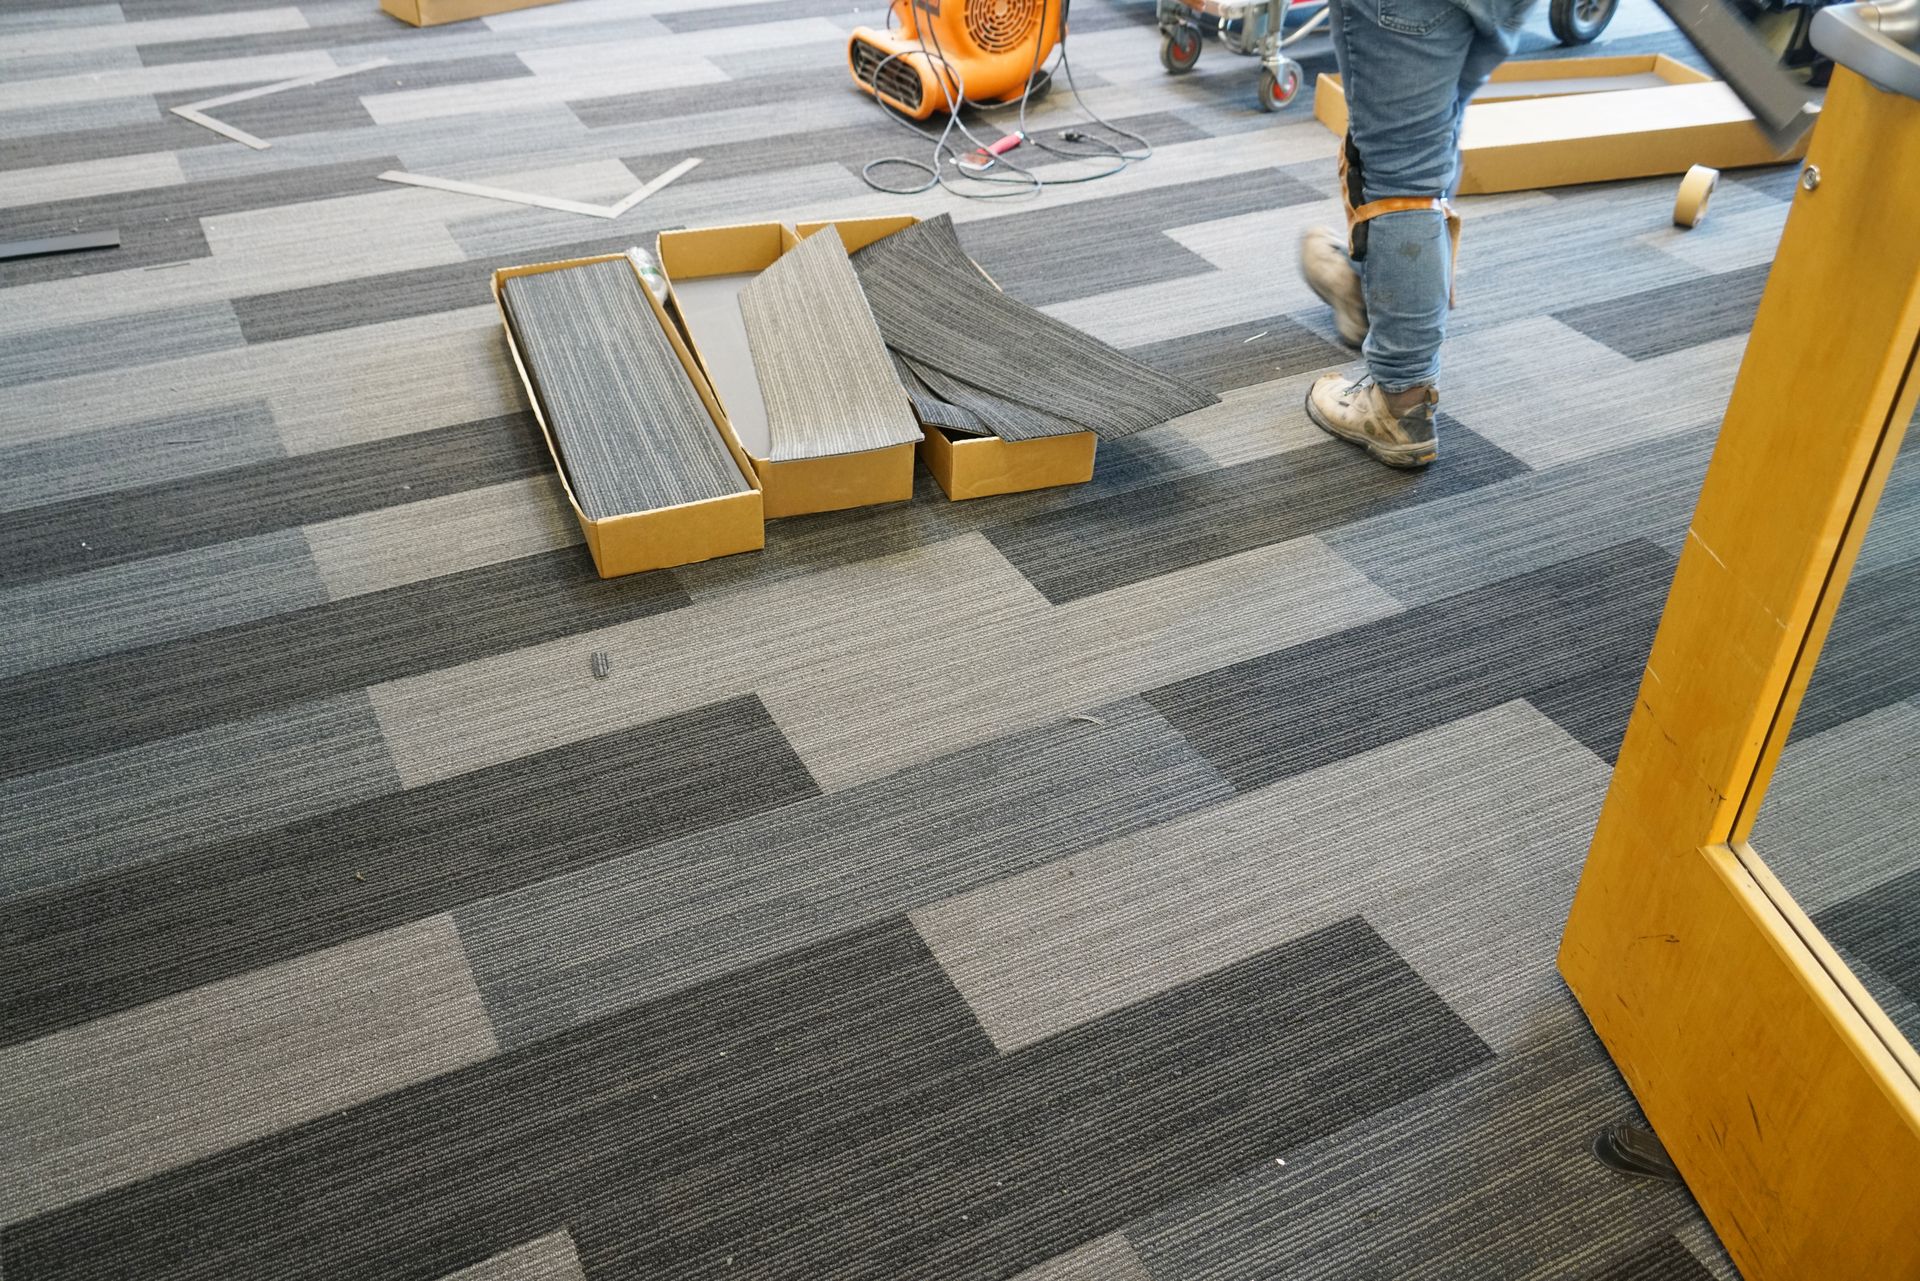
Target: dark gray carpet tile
101,345
1244,355
171,134
834,1112
1285,712
1094,547
945,316
1868,660
827,380
819,542
932,410
347,304
152,451
632,431
1594,706
1665,1259
1658,322
337,37
1487,1177
787,91
667,916
1000,416
163,224
123,939
1090,247
59,715
48,541
734,17
1882,929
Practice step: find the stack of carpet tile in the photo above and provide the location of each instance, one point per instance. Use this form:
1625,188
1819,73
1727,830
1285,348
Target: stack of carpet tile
977,362
824,372
632,432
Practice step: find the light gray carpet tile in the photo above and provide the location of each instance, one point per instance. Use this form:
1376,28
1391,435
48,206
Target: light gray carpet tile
63,91
470,148
1463,541
19,122
58,16
538,90
377,550
125,1097
548,1258
1504,1186
824,373
1107,1258
1505,382
1841,811
40,66
632,431
605,938
153,451
947,317
929,408
1472,893
149,602
93,177
105,345
155,800
1005,418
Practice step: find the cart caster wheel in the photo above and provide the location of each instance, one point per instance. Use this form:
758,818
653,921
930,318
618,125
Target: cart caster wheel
1579,21
1180,49
1277,90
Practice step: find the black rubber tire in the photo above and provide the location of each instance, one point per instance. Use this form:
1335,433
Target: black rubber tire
1277,91
1580,21
1180,49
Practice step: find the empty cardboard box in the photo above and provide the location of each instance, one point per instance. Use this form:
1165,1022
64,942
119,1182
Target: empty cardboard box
707,267
678,535
978,466
1558,121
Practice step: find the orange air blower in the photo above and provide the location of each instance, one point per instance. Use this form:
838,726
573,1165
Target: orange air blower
986,48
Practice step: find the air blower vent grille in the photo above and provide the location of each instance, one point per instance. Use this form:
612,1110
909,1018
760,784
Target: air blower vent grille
999,25
896,80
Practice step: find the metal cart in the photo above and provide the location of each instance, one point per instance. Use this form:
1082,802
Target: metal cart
1251,27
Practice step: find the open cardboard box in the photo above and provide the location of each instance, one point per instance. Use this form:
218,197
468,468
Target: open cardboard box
707,267
1557,121
978,466
431,13
679,535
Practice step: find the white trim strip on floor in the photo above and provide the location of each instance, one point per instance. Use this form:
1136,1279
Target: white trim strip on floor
544,202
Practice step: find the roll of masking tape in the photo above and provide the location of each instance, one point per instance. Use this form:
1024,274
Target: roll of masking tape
1696,189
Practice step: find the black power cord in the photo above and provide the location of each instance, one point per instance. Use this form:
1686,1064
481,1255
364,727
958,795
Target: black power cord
944,153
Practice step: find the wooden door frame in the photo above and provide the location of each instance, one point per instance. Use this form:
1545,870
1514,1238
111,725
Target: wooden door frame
1780,1089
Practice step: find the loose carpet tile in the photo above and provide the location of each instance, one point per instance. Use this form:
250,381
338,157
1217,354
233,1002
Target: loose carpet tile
824,372
992,889
632,432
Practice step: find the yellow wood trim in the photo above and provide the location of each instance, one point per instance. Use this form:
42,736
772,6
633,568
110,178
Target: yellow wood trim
1754,1052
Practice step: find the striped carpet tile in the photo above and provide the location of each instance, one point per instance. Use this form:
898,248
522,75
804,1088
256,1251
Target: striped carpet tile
1004,418
829,386
632,431
936,308
932,410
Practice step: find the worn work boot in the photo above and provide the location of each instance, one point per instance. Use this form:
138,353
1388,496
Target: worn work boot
1399,434
1332,275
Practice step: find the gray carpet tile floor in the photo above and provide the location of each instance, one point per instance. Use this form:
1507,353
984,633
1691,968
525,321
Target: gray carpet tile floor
1124,882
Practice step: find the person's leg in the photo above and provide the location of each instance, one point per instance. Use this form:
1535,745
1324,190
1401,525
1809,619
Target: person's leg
1404,62
1404,65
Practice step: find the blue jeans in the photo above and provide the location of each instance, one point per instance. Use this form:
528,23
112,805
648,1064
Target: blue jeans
1408,68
